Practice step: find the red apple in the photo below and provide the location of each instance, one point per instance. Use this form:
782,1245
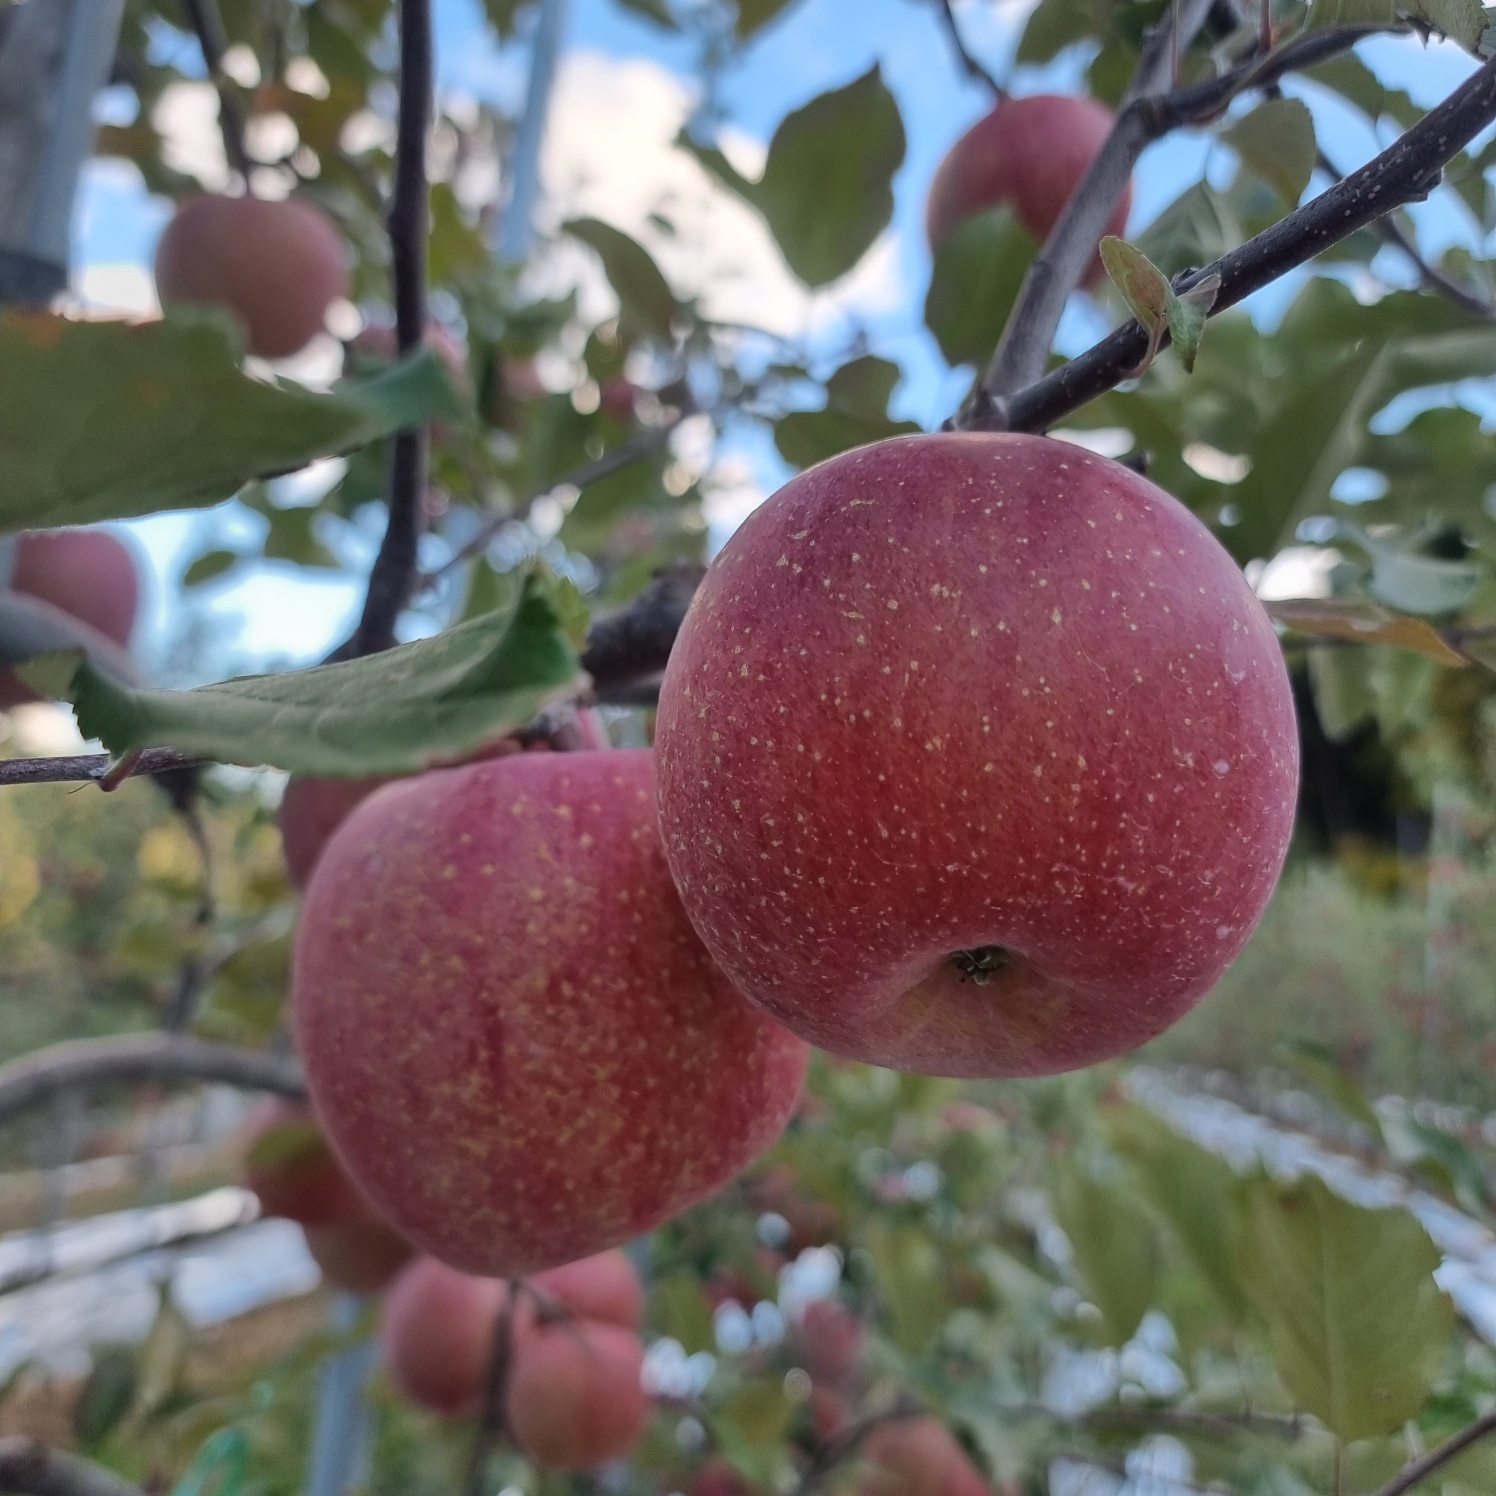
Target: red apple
1028,153
437,1333
358,1256
90,575
288,1164
515,1042
277,266
976,757
603,1287
717,1478
575,1398
616,398
918,1456
312,809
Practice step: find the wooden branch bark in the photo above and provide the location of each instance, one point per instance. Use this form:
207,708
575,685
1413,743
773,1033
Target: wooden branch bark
394,571
207,25
1420,1470
80,1064
1406,172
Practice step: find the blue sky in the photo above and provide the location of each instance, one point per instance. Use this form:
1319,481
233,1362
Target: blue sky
818,44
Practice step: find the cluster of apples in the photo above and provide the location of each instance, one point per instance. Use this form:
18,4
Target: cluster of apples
975,756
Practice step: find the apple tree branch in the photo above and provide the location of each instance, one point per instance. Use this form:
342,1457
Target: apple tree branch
207,26
1405,172
394,571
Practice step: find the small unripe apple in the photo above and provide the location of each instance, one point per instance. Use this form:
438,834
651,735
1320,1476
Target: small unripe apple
603,1287
360,1257
1028,153
514,1040
977,757
437,1334
277,266
918,1456
575,1396
89,574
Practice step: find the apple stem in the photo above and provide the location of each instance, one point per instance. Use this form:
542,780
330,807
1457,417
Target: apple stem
969,64
980,962
493,1417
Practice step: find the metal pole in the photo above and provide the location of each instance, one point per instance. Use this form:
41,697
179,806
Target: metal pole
516,223
55,55
345,1430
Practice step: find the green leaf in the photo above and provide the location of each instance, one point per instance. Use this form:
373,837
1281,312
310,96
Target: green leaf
1054,25
109,420
1192,1191
1151,299
1363,622
652,10
979,268
209,565
754,15
1115,1247
292,537
683,1312
827,187
648,304
1463,21
760,1414
912,1278
1359,1328
1199,226
857,397
391,713
31,629
1276,141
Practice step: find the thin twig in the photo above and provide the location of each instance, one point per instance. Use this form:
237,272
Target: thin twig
1187,1421
34,1079
88,768
1146,115
192,975
493,1415
28,1468
969,64
394,570
1406,172
207,24
1420,1470
1432,278
600,467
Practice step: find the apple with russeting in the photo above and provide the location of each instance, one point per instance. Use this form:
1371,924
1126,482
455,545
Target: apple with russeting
977,757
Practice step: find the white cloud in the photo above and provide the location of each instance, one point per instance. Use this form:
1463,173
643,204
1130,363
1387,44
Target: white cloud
609,154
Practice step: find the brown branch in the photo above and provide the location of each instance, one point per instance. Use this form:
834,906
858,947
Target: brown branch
1432,279
493,1415
28,1468
192,975
1145,116
394,571
969,64
1406,172
1420,1470
88,768
207,25
632,645
1060,265
78,1064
